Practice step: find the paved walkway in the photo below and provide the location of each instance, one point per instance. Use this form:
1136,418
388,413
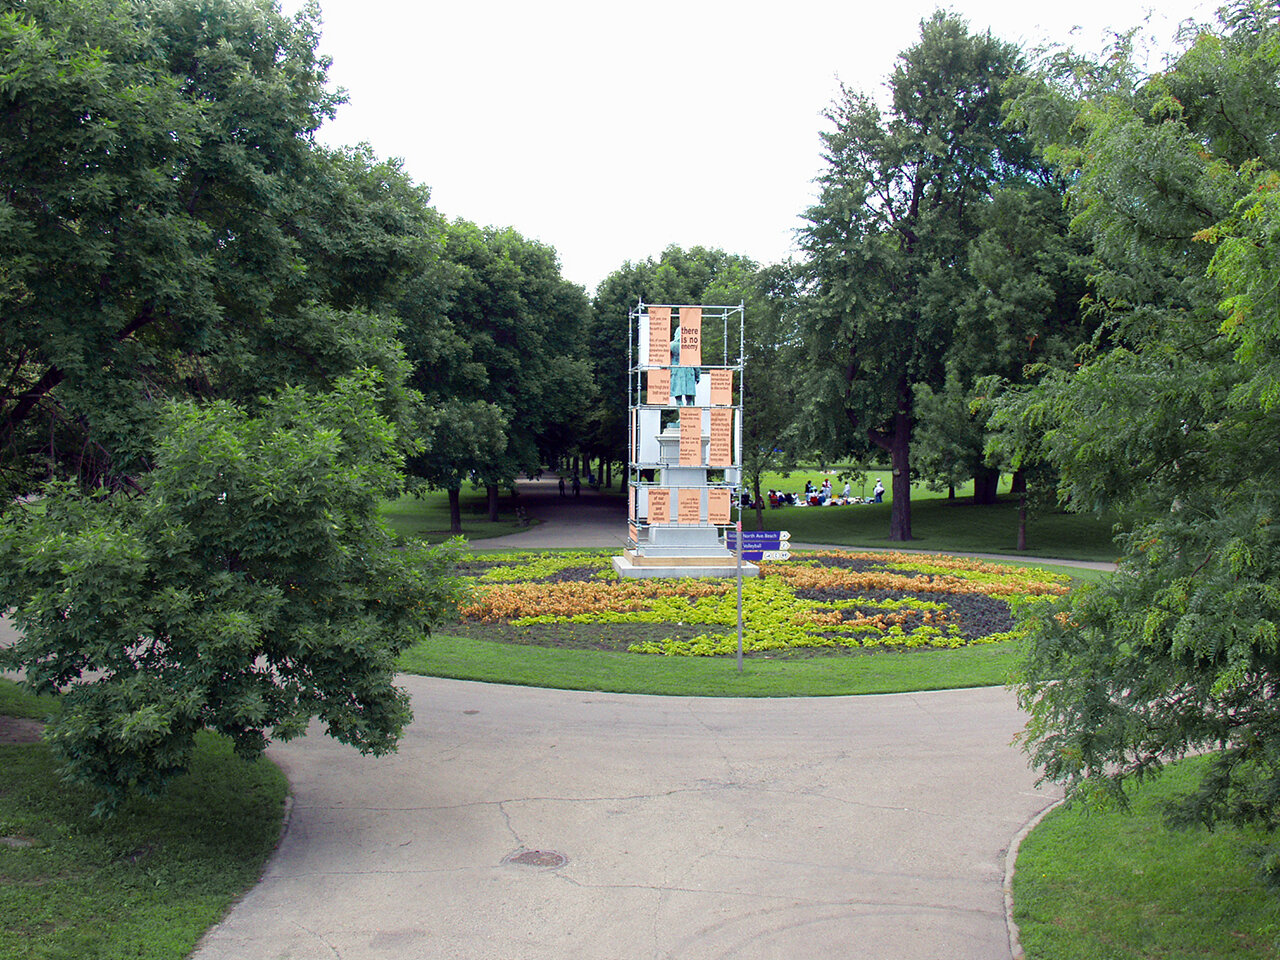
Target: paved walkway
567,825
860,827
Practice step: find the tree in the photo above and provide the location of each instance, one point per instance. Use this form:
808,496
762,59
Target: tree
1176,180
250,588
195,347
524,330
899,203
770,392
160,182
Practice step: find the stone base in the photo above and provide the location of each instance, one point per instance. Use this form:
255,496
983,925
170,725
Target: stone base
631,564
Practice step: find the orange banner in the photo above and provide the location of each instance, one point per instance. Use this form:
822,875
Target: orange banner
722,388
659,384
690,336
634,531
689,506
720,451
659,505
690,436
659,336
631,503
719,504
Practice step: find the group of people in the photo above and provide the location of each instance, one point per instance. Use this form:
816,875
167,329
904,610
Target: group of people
818,496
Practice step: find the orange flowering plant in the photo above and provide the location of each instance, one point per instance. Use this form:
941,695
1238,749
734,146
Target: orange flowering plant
832,601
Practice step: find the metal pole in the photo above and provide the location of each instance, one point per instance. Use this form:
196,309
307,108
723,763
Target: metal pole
739,584
738,458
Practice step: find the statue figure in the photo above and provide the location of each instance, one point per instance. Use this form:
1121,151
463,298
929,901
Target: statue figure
684,380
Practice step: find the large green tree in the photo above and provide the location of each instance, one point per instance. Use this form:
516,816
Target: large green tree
250,588
517,331
1023,313
1177,177
900,201
194,340
168,226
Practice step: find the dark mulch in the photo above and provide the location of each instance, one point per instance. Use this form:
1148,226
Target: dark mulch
976,614
614,637
863,565
572,575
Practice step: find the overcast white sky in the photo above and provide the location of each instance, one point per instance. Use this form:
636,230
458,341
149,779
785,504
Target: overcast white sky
610,130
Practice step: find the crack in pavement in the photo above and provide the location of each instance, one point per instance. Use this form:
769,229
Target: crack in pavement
318,937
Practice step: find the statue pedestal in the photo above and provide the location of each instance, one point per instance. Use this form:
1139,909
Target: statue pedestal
631,564
681,549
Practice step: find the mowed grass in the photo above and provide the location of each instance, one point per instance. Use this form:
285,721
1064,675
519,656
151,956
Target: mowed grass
144,884
794,481
939,525
1111,885
466,658
426,518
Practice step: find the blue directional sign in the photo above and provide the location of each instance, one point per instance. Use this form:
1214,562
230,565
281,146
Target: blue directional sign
756,540
755,556
760,545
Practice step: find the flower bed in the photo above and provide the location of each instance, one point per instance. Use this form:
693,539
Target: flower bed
818,602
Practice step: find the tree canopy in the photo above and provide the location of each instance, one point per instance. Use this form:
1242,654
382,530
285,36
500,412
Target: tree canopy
201,390
901,199
1175,424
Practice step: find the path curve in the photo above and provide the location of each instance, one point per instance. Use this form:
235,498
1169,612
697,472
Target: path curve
869,827
524,823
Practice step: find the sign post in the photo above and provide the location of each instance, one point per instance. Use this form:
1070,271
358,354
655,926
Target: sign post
739,552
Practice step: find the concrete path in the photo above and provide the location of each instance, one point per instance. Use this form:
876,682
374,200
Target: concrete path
532,824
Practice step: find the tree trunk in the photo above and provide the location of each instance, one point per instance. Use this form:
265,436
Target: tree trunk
986,483
897,443
608,475
1019,484
492,491
455,511
1022,521
900,457
577,465
951,491
759,505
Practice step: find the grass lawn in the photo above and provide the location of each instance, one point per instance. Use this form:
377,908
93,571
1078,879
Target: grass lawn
1096,885
794,482
492,661
145,884
938,524
947,526
427,517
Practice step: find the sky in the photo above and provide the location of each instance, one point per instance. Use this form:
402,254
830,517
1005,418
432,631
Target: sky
612,130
